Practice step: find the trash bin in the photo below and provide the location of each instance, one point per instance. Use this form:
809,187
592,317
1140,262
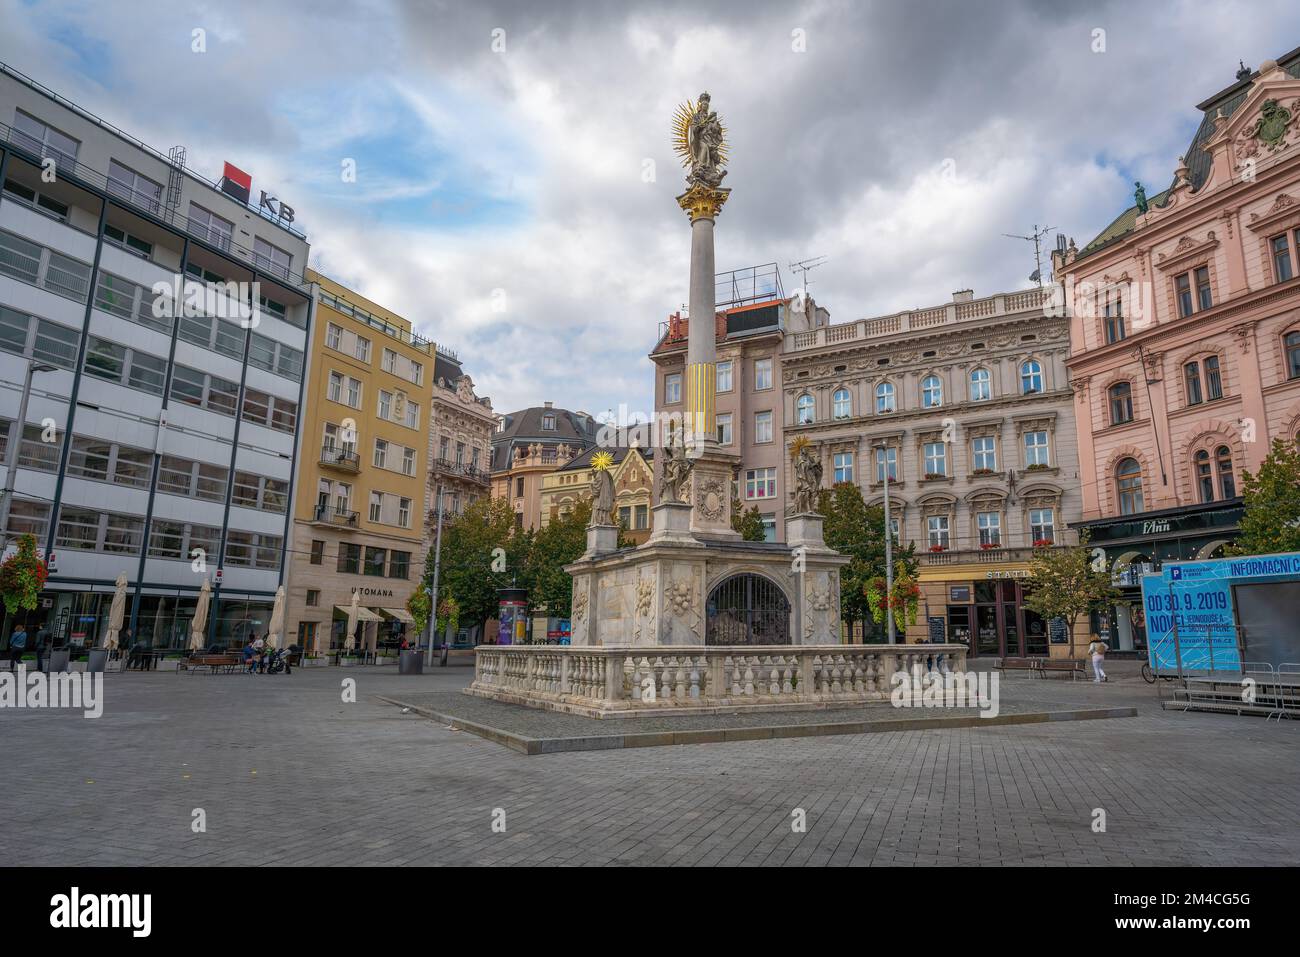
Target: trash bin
96,660
410,663
58,660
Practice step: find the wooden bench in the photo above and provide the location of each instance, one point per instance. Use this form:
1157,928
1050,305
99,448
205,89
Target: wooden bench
1061,666
216,664
1018,664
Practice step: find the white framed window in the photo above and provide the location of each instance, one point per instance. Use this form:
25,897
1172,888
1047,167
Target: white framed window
803,408
40,137
362,349
376,506
936,458
1036,449
981,385
984,449
843,463
885,397
887,455
381,453
841,404
404,512
408,461
385,405
130,185
1031,377
931,392
762,374
724,428
271,258
760,483
209,226
334,336
936,531
672,388
989,525
724,376
412,414
762,427
1042,524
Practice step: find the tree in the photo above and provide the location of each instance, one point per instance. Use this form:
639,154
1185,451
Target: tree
418,606
561,542
22,576
472,567
748,523
904,599
1271,498
1066,582
853,528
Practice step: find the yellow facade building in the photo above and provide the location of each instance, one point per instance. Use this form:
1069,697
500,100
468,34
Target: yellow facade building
633,474
359,518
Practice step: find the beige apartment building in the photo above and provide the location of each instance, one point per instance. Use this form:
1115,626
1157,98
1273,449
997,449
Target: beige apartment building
633,474
530,444
358,518
460,441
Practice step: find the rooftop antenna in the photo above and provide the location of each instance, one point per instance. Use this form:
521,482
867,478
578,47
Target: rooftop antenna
1037,239
805,266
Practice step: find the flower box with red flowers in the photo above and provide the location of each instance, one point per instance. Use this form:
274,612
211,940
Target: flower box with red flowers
938,548
1042,543
989,546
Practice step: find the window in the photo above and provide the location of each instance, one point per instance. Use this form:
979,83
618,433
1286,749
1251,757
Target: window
178,476
1204,296
46,140
762,426
253,549
985,453
885,397
724,428
1205,476
412,414
376,561
313,597
317,551
989,525
1128,481
376,506
887,455
333,336
115,363
1042,524
672,388
381,453
1183,294
1121,403
271,258
936,459
981,389
762,373
804,409
354,393
1227,484
548,420
931,392
1031,377
39,201
1292,345
519,487
1281,258
936,529
1036,451
385,405
51,343
724,376
349,560
92,530
124,240
210,227
404,511
346,390
33,453
642,517
1114,315
760,483
843,463
841,404
399,565
133,187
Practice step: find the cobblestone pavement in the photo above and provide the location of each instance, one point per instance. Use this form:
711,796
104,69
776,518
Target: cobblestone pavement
286,773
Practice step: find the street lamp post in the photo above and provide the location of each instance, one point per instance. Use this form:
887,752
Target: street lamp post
889,549
11,456
433,591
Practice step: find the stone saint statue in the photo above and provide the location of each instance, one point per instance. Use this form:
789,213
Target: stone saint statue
705,141
677,470
602,497
807,481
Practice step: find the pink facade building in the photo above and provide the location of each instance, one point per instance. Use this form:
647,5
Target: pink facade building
1185,338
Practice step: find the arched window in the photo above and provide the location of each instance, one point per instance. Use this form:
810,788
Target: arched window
1128,483
1227,484
843,405
1121,403
885,397
1031,377
981,388
804,409
1204,476
1292,345
931,392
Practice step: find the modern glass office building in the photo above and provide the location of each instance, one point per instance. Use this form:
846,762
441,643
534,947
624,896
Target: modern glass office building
166,322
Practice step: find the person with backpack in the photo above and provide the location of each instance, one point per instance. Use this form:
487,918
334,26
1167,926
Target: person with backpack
1097,652
17,645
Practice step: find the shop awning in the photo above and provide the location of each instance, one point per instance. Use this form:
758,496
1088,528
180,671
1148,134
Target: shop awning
363,613
401,614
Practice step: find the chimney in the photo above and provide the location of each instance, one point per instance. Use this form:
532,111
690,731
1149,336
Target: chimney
548,404
963,295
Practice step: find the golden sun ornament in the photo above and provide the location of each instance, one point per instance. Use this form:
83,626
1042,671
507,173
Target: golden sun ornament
798,445
681,135
601,461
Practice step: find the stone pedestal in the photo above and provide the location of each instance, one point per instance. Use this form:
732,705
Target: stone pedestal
804,529
672,524
601,539
710,492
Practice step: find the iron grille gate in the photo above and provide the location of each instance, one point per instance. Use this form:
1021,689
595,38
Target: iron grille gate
747,610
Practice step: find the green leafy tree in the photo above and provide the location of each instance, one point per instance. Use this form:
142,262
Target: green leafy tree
748,523
560,542
472,570
855,529
1066,582
1271,498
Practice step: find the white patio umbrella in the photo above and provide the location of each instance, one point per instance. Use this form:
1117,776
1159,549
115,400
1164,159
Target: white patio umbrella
276,634
353,614
115,613
199,626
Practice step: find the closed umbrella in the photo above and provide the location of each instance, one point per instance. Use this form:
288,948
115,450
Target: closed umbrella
276,633
115,613
199,627
353,614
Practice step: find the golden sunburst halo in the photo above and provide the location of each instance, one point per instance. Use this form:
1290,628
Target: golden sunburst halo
681,135
601,461
798,445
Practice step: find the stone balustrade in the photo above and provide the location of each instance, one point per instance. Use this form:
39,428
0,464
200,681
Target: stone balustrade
602,681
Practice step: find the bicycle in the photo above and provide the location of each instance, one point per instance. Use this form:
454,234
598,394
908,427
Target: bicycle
1150,676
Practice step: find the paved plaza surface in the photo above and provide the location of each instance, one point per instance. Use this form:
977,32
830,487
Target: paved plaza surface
285,772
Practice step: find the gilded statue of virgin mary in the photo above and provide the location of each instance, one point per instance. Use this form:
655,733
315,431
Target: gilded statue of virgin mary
699,138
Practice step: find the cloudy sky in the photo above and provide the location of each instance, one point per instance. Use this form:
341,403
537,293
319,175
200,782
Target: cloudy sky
515,182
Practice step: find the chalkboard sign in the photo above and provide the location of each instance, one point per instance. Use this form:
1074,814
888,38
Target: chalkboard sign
937,625
1058,632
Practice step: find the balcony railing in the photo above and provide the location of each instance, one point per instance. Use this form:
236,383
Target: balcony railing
347,460
447,467
330,515
979,556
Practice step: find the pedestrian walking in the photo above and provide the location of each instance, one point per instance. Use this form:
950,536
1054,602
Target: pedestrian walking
1097,651
17,645
259,649
250,660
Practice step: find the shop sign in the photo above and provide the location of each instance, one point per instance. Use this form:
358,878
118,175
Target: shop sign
1009,573
1058,631
1219,518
